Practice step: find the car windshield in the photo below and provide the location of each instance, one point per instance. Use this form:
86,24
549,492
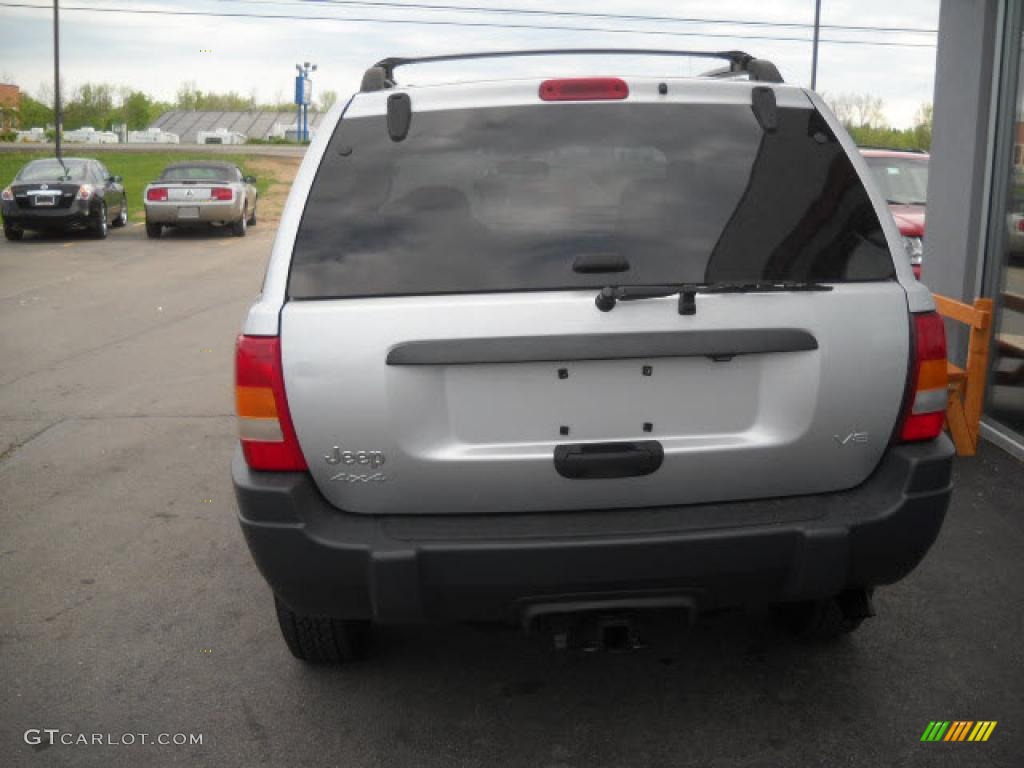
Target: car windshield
506,198
197,173
903,180
49,170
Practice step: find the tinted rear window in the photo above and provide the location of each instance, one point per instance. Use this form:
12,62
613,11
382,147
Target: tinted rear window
505,199
44,170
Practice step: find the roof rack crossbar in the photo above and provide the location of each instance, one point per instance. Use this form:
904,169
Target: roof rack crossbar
382,74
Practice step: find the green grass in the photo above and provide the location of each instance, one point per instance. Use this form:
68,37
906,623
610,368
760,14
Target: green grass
137,169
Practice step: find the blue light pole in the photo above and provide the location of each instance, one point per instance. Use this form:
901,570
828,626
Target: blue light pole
303,94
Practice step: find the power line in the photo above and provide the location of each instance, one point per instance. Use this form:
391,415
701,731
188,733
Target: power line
465,24
589,15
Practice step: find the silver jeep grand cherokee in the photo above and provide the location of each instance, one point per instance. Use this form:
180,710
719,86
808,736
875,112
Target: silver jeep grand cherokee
542,351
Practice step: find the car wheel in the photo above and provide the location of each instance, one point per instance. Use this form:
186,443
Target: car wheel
238,229
154,230
252,219
321,639
122,216
99,229
821,621
13,234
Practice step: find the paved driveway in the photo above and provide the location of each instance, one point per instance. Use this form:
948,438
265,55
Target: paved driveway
129,603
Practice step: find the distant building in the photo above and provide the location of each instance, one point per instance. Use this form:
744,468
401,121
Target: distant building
254,125
31,136
288,132
152,136
10,106
221,136
89,135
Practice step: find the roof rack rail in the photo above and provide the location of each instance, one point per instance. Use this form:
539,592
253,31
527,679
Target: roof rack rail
381,75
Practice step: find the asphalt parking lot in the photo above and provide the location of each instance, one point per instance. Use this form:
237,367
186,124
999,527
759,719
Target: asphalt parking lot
130,603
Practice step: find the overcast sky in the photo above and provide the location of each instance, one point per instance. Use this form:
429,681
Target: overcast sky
156,53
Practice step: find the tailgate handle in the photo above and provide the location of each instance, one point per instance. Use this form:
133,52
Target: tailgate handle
591,461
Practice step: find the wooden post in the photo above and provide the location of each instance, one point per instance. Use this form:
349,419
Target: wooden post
967,385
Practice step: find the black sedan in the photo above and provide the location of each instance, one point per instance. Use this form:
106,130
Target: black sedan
50,195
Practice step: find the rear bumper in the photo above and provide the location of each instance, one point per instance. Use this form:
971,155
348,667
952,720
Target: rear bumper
167,213
396,569
77,216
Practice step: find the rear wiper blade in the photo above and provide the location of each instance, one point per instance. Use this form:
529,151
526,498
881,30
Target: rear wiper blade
764,286
610,295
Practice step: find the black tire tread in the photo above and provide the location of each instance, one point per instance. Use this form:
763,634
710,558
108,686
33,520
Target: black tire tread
117,223
98,230
320,639
818,622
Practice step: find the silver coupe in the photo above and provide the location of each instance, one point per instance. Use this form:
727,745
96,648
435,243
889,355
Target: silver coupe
193,193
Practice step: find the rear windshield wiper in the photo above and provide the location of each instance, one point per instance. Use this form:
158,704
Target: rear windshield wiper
610,295
763,286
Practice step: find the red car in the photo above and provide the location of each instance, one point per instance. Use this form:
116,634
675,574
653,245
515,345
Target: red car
902,175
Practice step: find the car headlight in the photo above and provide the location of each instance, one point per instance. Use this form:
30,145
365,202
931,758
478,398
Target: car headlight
914,247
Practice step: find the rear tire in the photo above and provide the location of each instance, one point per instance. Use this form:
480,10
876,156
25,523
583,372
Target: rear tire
122,215
154,230
99,229
13,234
238,228
321,639
252,219
822,621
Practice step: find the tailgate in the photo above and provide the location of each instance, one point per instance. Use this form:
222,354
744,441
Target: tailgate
441,346
450,427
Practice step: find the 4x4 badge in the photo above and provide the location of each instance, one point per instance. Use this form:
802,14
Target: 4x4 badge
352,477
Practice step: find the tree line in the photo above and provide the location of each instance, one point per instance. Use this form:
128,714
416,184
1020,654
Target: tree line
863,115
102,105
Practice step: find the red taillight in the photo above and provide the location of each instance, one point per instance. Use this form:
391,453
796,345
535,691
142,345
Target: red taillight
264,423
925,409
917,270
85,192
220,193
157,194
584,89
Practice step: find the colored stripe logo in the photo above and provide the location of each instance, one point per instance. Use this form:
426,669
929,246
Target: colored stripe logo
958,730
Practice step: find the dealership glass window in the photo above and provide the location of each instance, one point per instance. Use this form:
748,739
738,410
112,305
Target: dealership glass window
1004,269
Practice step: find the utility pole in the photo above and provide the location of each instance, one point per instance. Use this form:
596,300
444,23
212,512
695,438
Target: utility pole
57,116
814,55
